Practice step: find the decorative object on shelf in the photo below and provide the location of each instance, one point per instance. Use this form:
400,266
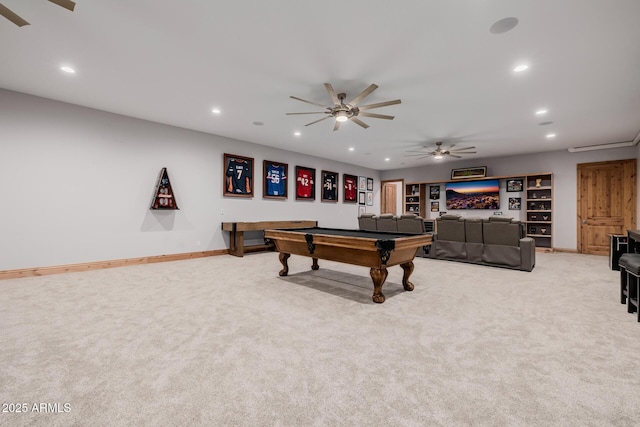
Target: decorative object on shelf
514,185
350,188
465,173
369,184
275,179
434,192
533,217
532,206
543,230
538,182
163,195
305,183
329,186
343,112
545,217
435,206
415,190
533,230
534,195
238,179
361,198
514,203
541,206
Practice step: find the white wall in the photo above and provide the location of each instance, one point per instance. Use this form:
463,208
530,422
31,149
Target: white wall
77,184
562,164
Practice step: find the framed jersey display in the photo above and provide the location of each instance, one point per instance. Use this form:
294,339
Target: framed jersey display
350,188
305,183
238,176
275,179
329,186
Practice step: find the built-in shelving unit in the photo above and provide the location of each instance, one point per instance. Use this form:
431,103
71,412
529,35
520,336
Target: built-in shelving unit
415,199
539,207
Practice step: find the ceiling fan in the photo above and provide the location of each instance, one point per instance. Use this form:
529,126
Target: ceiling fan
439,152
342,111
13,17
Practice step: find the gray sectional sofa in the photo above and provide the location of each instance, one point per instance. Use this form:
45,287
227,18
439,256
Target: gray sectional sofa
495,241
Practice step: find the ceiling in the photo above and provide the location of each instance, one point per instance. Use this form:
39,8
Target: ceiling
173,61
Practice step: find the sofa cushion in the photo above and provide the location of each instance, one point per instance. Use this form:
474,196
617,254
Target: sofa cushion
473,230
451,228
501,233
450,250
501,255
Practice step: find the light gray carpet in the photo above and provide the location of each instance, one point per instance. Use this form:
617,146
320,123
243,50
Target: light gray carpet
225,341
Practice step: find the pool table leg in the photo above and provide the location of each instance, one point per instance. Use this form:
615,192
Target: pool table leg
315,265
283,260
408,269
379,275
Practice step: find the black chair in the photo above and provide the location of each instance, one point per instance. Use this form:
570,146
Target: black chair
630,282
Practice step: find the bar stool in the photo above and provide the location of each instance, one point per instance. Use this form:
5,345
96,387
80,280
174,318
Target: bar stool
630,282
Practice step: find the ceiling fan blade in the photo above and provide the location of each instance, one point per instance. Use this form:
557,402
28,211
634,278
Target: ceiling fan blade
332,94
7,13
359,122
379,104
377,116
362,95
464,152
314,112
67,4
309,102
336,126
324,118
421,155
453,155
417,152
465,148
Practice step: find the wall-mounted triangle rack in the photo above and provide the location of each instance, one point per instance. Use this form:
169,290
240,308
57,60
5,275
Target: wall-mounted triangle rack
164,198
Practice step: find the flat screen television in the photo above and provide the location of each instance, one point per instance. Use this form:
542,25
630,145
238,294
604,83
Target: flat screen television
483,194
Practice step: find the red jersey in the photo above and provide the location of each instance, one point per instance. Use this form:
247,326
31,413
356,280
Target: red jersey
305,183
349,188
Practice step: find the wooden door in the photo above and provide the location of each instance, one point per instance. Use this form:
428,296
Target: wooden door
606,203
389,198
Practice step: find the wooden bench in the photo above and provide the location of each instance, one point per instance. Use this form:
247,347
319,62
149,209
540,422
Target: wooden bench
236,233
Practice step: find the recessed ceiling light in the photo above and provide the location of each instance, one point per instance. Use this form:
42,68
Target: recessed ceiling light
387,159
351,149
215,111
550,135
503,25
68,69
541,112
297,133
520,68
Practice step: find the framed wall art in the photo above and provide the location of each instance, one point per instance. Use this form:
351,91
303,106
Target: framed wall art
238,176
362,183
514,185
514,203
350,188
369,198
305,183
361,198
435,206
434,192
464,173
329,186
369,184
275,179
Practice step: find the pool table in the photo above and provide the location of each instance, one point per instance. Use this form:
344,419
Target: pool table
375,249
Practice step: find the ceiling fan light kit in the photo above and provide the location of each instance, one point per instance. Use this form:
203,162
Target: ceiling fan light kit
349,111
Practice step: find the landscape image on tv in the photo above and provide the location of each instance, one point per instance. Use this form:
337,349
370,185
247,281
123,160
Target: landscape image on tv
473,194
